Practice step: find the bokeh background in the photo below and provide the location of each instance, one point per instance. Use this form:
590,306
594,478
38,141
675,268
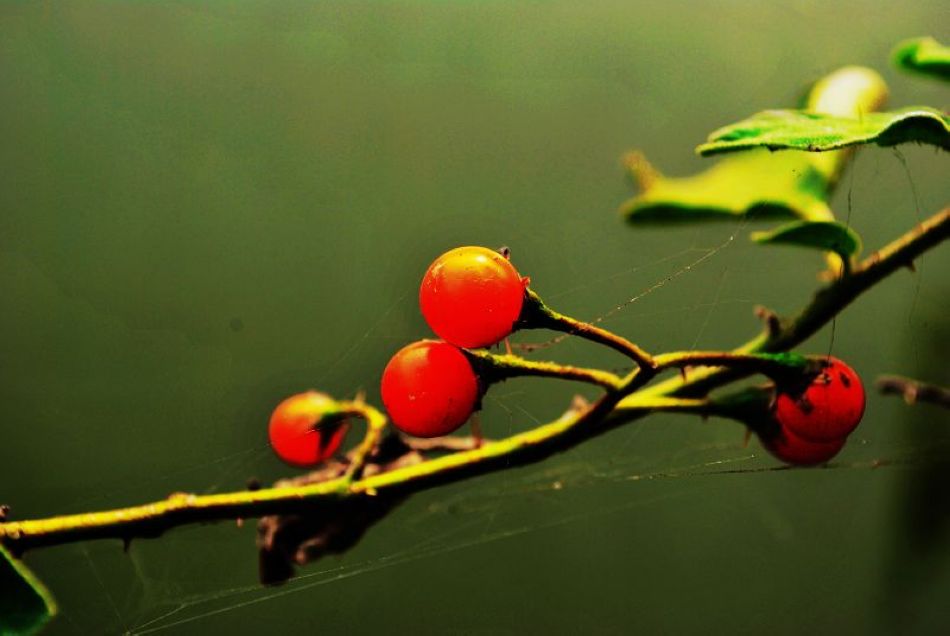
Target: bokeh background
205,207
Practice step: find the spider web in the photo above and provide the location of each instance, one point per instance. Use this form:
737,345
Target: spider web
156,596
479,515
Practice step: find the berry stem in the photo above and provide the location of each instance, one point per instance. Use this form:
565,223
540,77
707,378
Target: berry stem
536,315
769,364
494,368
375,425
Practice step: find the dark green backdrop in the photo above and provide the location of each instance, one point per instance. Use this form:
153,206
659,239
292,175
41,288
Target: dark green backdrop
206,207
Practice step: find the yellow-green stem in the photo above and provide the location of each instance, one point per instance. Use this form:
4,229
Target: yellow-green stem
499,367
537,315
375,424
565,432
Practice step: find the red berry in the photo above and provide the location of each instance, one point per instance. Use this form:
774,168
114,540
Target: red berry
793,449
295,434
429,388
471,296
827,409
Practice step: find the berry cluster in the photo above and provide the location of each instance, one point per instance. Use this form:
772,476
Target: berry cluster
474,297
813,418
470,297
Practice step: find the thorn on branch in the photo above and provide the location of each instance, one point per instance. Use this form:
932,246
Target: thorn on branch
773,324
579,404
180,497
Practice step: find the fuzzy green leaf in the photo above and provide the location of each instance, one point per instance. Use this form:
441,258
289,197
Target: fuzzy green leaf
759,183
923,55
814,132
829,236
25,603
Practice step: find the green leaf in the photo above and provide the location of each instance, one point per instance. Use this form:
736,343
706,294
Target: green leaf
755,184
815,132
759,183
823,235
923,55
25,603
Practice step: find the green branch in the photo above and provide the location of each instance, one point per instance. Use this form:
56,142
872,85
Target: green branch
621,402
771,365
784,334
537,315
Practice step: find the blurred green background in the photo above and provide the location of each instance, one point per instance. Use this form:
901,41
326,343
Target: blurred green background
206,207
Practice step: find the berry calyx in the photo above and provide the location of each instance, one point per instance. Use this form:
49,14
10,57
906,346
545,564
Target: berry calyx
471,296
792,449
429,388
827,408
298,433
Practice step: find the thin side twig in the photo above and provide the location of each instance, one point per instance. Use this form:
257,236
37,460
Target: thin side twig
913,391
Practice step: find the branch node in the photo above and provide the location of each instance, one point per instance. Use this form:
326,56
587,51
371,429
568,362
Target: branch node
180,497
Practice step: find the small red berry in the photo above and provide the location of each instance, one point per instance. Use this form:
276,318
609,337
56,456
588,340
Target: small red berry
827,409
429,388
295,434
792,449
471,296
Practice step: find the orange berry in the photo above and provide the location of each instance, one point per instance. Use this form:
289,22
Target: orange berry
471,296
296,433
792,449
827,409
429,388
